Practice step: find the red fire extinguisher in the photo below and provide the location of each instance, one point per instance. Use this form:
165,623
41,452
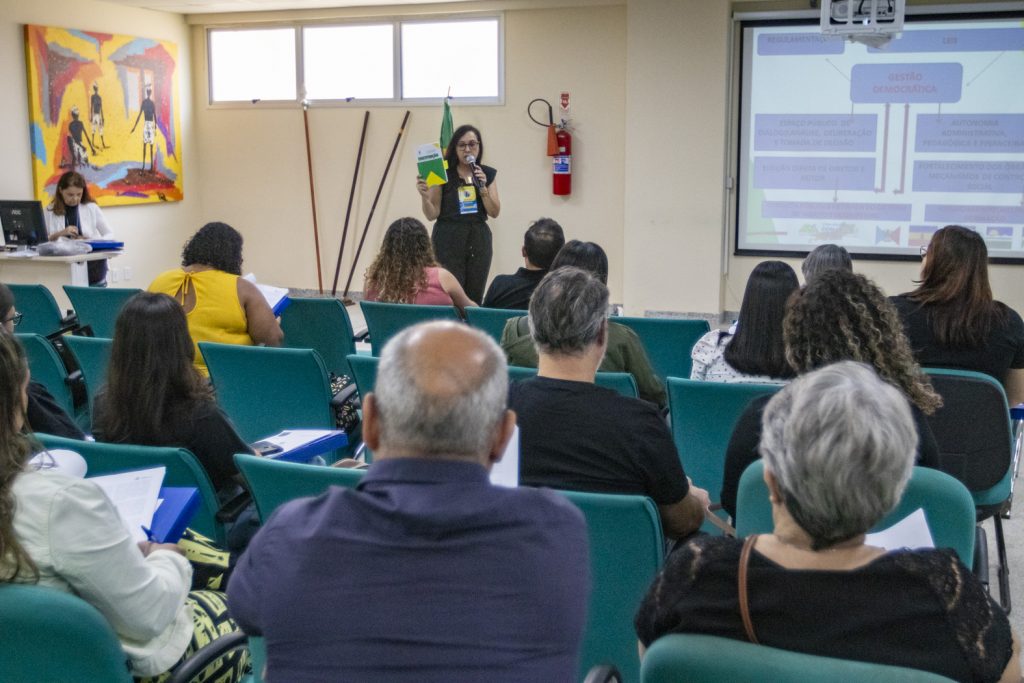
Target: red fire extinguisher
561,164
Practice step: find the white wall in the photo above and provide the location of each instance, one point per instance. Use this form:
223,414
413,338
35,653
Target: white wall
153,233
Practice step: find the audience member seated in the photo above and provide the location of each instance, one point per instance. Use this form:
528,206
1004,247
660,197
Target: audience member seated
540,245
752,351
63,533
825,257
838,446
154,396
839,316
625,353
426,571
44,415
405,271
951,318
220,305
578,436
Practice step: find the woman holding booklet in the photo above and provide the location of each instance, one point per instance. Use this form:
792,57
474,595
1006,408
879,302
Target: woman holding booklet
62,532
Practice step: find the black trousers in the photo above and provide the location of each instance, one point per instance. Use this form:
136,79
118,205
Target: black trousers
464,248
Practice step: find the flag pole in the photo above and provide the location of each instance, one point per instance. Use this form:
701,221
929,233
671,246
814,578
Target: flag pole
312,196
351,195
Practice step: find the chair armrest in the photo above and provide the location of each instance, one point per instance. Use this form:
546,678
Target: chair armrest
344,395
230,510
207,654
603,673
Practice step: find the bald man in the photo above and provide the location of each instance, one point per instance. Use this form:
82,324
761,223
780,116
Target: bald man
426,571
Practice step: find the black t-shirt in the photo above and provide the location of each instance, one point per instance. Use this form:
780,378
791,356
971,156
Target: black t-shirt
450,207
45,415
582,437
202,428
513,291
919,609
742,449
1004,348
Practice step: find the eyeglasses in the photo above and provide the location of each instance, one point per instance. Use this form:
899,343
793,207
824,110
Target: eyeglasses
468,145
924,250
16,319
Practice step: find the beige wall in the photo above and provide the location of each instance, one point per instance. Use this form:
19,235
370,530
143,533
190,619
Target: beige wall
254,176
153,233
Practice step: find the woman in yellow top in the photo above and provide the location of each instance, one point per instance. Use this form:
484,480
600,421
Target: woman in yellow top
219,304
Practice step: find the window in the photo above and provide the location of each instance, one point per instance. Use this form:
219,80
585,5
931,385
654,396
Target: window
252,65
382,62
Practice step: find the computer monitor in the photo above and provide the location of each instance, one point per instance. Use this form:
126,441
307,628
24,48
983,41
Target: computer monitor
22,222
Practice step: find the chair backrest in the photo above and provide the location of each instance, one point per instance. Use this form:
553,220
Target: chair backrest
93,356
322,324
491,320
708,659
42,315
703,417
48,369
668,342
384,321
626,551
273,483
183,469
973,432
947,504
621,382
265,390
49,635
98,307
364,371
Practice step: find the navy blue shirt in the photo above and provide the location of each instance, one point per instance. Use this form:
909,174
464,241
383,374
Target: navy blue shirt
426,572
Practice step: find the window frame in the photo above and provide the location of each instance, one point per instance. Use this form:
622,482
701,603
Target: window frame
396,27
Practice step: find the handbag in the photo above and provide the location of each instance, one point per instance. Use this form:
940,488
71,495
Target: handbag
748,625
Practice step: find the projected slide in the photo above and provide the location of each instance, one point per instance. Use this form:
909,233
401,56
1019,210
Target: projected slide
876,149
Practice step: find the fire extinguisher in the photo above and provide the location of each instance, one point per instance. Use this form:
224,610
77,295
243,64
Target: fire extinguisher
561,164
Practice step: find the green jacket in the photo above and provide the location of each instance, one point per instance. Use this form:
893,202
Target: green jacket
625,354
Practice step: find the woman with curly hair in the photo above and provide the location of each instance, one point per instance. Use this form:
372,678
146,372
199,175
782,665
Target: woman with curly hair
220,305
839,316
405,271
953,321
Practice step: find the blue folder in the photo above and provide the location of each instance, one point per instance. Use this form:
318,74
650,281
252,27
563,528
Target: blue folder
173,515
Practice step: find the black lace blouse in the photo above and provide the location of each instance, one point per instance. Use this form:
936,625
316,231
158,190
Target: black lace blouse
919,609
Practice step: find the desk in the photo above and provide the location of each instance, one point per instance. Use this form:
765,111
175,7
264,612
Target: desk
52,271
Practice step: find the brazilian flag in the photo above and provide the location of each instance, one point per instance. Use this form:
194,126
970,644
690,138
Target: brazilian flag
446,125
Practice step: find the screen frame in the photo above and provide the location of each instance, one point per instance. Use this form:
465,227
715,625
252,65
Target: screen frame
37,223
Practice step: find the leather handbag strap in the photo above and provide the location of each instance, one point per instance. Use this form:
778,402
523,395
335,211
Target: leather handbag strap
748,625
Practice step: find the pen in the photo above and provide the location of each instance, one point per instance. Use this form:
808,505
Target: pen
149,534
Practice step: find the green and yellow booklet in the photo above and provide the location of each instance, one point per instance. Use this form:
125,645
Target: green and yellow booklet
430,164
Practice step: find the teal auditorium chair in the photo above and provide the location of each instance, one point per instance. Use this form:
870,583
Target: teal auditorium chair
98,307
273,483
384,321
50,635
491,320
621,382
322,324
93,356
48,369
183,469
947,504
703,417
41,313
974,434
668,342
699,658
364,371
266,390
626,551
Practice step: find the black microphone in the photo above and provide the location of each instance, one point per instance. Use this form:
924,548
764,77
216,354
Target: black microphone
471,160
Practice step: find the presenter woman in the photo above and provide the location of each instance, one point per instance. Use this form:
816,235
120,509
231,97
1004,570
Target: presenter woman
76,215
461,236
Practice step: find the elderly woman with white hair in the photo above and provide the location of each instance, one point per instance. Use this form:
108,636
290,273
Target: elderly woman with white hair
838,445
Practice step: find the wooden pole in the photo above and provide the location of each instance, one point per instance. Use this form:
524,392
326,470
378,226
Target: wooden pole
348,210
373,208
312,198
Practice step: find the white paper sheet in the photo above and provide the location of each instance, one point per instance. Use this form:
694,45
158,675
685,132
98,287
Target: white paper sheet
272,294
135,495
290,439
506,471
910,532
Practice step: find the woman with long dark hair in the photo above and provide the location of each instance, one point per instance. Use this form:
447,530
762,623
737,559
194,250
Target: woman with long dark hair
753,351
63,533
405,272
461,236
75,215
952,319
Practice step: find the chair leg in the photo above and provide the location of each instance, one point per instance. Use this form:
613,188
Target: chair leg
981,556
1004,567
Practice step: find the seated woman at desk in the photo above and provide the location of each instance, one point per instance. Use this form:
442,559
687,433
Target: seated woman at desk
219,304
74,214
63,533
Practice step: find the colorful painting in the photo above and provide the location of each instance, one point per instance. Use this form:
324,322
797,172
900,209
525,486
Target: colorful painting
104,105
